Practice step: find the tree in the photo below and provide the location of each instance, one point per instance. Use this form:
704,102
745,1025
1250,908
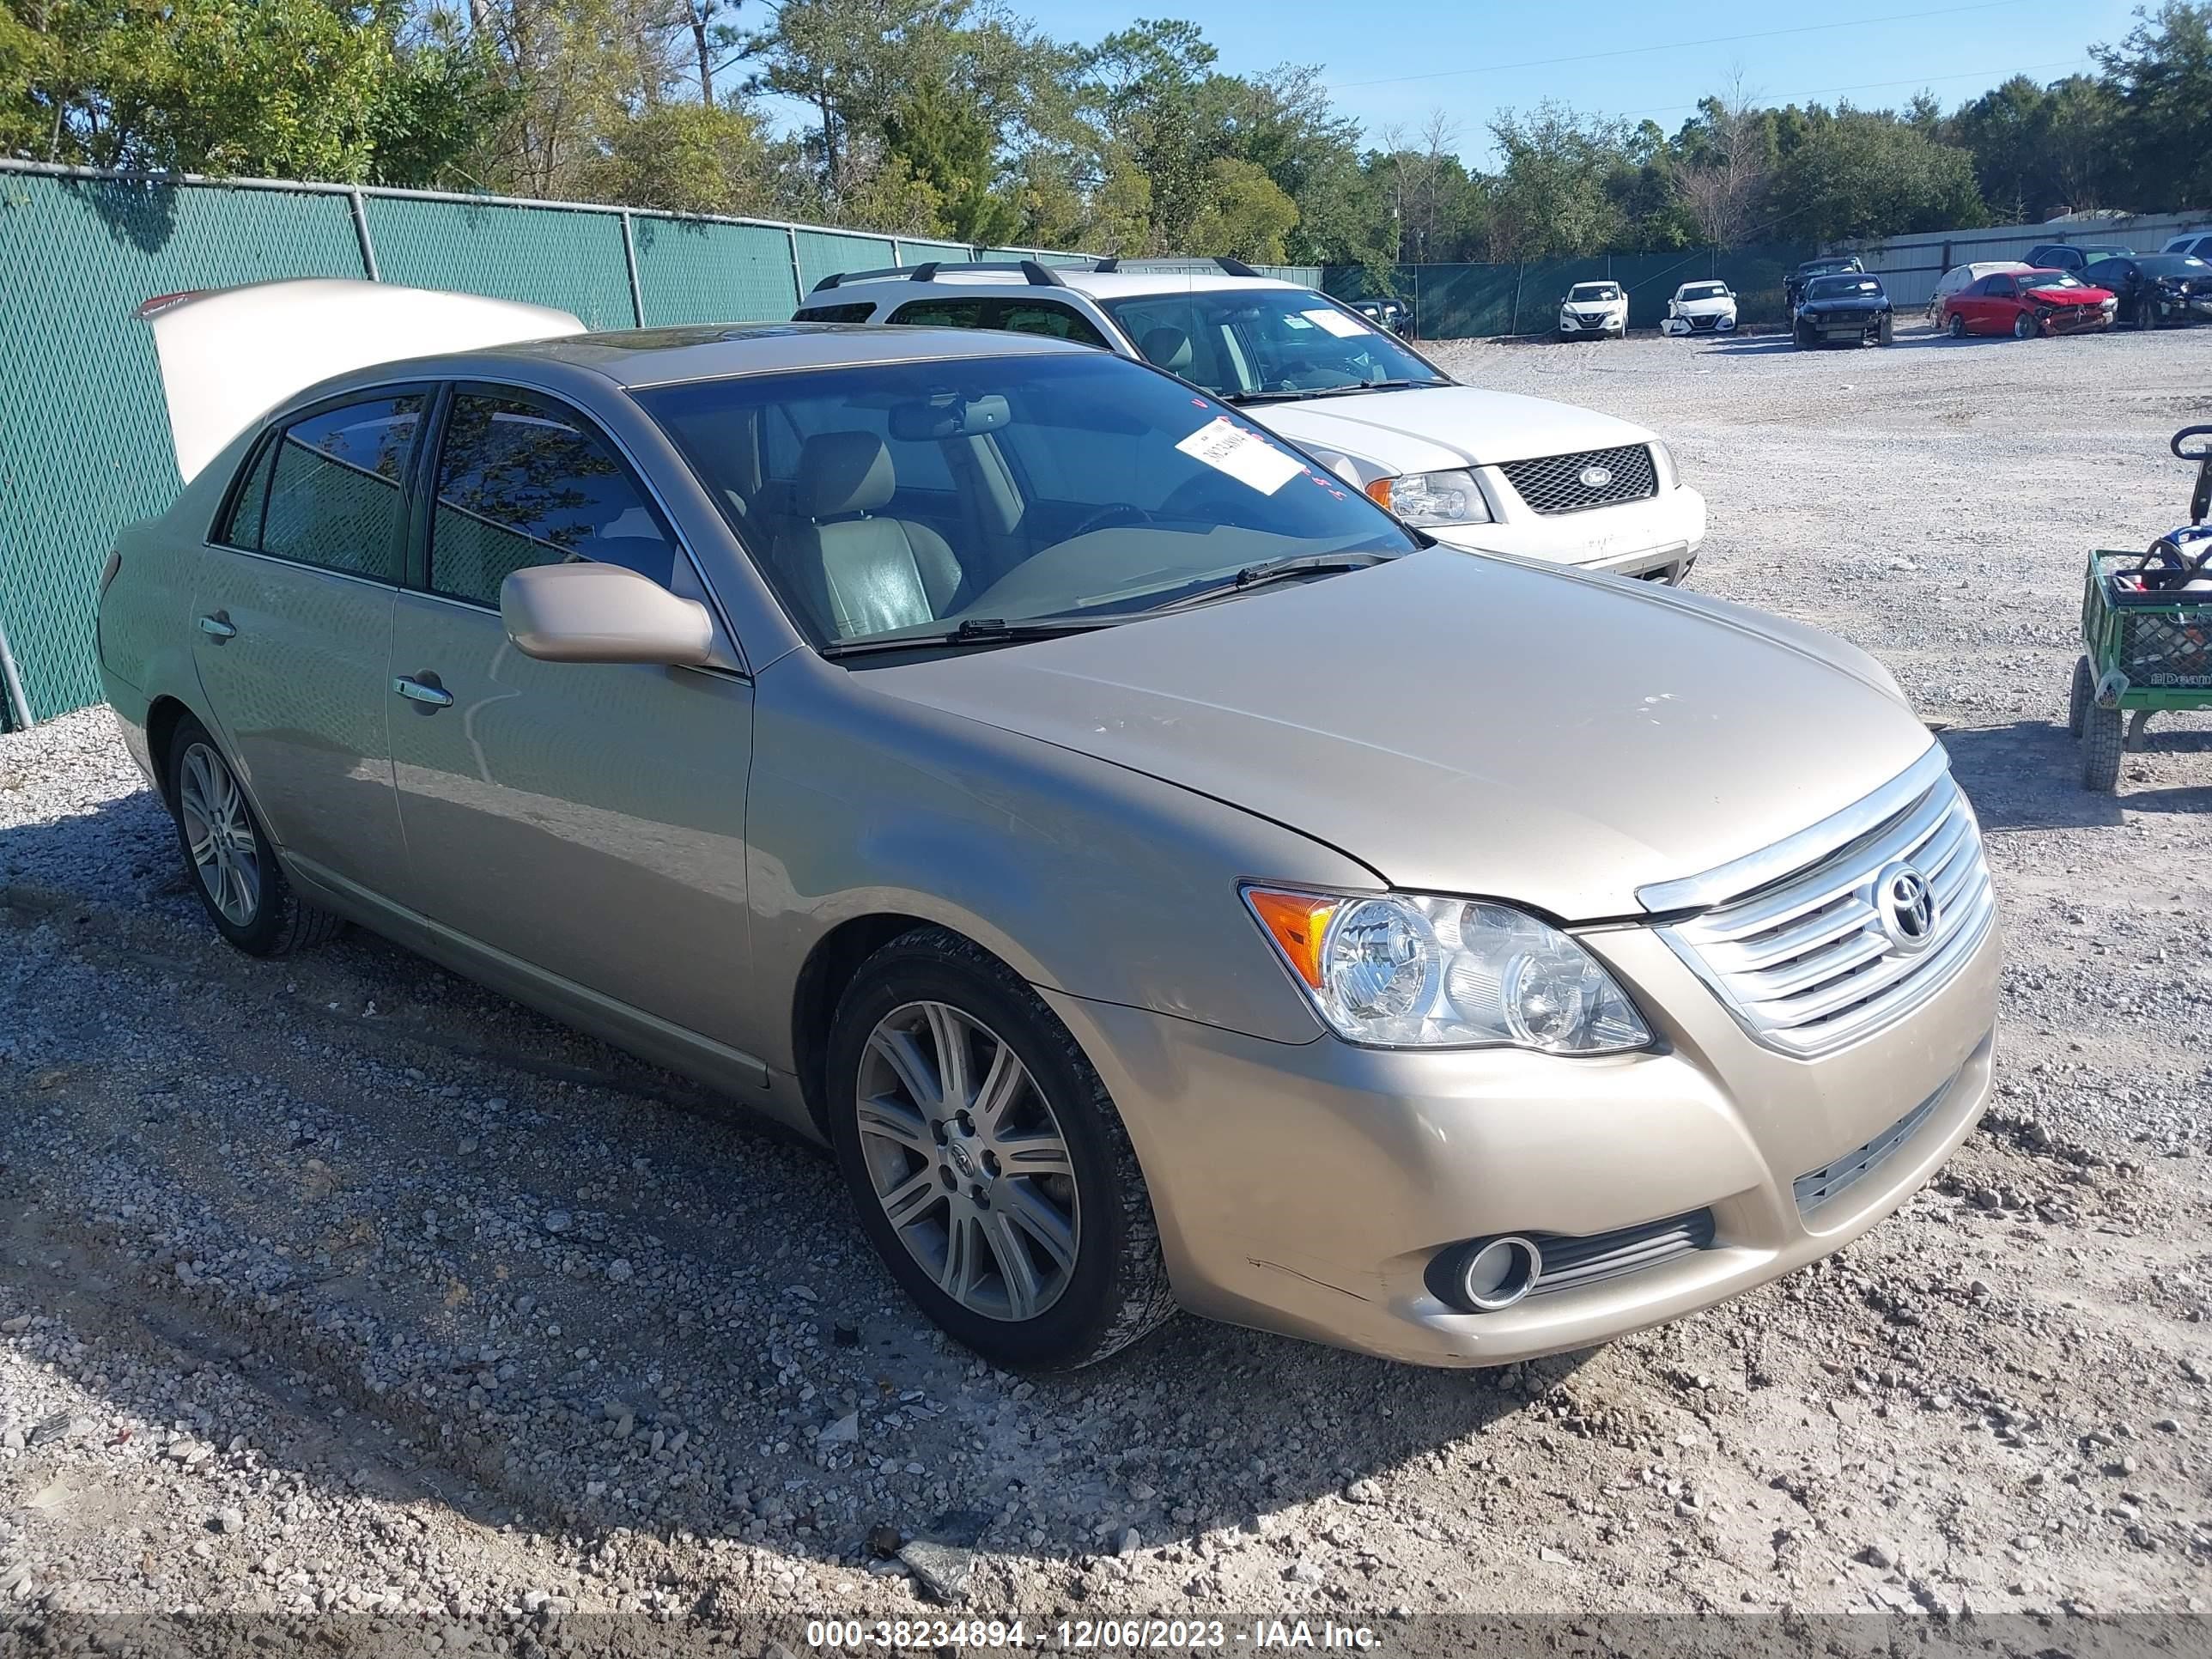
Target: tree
2160,77
1864,173
1245,213
1550,201
685,158
1728,157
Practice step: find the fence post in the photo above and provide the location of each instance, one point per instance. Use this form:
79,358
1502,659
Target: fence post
14,704
798,276
630,264
361,235
1513,327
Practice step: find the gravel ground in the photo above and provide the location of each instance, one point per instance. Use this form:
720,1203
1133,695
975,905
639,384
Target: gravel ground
340,1300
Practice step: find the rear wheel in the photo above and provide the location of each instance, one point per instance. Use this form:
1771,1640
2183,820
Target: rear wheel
990,1169
2078,695
233,867
2102,731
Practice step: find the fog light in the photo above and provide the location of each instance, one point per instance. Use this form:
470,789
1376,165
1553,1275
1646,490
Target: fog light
1499,1274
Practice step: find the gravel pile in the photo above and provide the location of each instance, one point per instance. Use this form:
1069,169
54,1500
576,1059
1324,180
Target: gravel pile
342,1296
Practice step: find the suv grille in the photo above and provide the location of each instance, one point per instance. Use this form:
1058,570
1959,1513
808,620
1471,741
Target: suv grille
1806,964
1554,485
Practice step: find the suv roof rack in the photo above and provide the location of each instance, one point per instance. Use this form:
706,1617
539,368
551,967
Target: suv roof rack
1226,266
1035,274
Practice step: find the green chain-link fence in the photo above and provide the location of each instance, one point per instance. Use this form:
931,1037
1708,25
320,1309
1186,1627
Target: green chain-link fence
84,441
1472,301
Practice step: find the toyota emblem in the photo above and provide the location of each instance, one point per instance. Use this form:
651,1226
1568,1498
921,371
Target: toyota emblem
1905,905
1594,478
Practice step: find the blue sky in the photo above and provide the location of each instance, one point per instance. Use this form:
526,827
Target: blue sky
1394,64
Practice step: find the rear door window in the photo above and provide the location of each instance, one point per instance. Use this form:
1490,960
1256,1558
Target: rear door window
1042,317
855,312
335,485
524,482
945,313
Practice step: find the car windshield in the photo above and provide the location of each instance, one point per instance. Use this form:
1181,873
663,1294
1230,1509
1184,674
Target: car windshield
2045,279
1267,342
2174,264
1840,287
1703,291
1826,267
898,502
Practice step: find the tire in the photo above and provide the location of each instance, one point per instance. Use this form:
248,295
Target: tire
1888,328
1803,337
2079,694
2024,325
2147,313
235,873
1956,328
2102,731
1094,1277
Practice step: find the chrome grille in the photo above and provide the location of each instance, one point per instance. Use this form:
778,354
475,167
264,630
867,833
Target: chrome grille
1554,485
1805,963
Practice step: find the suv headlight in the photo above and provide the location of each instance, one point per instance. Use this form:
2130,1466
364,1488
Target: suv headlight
1662,464
1432,498
1406,970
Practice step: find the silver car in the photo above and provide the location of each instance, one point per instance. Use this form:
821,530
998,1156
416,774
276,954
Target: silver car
1161,877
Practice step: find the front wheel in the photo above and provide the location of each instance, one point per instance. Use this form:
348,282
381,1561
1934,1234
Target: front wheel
2102,731
1956,328
990,1167
1887,334
2024,326
2147,313
233,866
1804,337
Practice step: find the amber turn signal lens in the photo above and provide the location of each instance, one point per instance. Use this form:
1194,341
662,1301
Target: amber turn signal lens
1297,922
1379,492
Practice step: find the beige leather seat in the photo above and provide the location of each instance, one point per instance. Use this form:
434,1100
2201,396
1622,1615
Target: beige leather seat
862,574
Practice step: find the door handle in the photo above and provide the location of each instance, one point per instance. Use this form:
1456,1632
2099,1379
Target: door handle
218,627
428,695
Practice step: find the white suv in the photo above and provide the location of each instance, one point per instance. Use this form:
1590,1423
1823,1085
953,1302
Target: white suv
1486,472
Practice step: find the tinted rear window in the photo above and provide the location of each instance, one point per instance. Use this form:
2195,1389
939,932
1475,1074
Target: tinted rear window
334,490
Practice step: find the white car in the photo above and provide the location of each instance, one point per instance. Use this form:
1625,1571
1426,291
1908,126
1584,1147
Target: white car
1485,471
2196,242
1705,308
1599,308
1959,278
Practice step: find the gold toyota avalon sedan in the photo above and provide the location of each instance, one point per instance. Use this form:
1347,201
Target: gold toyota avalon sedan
1160,876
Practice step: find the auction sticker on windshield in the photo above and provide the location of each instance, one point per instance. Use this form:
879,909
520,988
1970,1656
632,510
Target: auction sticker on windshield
1249,460
1336,323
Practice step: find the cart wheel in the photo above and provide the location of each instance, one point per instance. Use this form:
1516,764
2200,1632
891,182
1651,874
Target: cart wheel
2077,700
2138,730
2102,730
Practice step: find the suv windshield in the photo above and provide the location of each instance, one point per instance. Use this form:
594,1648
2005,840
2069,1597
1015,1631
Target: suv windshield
989,496
1590,293
1267,342
1840,287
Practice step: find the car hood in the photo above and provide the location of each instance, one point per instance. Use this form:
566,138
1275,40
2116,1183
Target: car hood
1428,428
1471,725
2071,296
1702,308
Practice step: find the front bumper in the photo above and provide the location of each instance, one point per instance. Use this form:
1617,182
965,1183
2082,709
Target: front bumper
1658,536
1601,325
1305,1188
1724,324
1857,327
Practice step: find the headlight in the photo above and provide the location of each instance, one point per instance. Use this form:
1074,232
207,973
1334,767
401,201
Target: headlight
1404,970
1662,463
1427,498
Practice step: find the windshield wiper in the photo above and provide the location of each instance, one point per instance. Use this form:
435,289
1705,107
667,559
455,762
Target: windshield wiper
1329,392
1275,570
977,630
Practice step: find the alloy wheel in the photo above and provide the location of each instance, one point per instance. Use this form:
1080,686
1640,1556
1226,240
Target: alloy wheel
220,832
970,1164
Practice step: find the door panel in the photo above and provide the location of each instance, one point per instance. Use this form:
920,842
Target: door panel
297,691
588,818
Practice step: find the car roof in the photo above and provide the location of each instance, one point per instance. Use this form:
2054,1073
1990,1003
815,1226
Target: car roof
1098,284
660,356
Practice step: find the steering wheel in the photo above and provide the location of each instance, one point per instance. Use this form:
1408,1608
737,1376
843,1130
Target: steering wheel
1112,512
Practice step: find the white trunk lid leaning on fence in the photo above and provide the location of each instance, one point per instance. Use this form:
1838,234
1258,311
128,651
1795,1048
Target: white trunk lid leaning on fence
228,355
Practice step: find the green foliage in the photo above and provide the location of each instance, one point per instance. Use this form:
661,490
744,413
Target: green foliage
1245,213
2161,80
1863,173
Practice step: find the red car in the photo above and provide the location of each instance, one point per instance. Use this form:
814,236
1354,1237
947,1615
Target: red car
2026,303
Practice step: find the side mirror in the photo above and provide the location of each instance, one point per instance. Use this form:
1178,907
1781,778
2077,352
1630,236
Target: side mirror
602,613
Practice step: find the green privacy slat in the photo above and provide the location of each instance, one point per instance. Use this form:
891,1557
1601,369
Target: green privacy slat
825,252
690,271
544,255
913,250
84,438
